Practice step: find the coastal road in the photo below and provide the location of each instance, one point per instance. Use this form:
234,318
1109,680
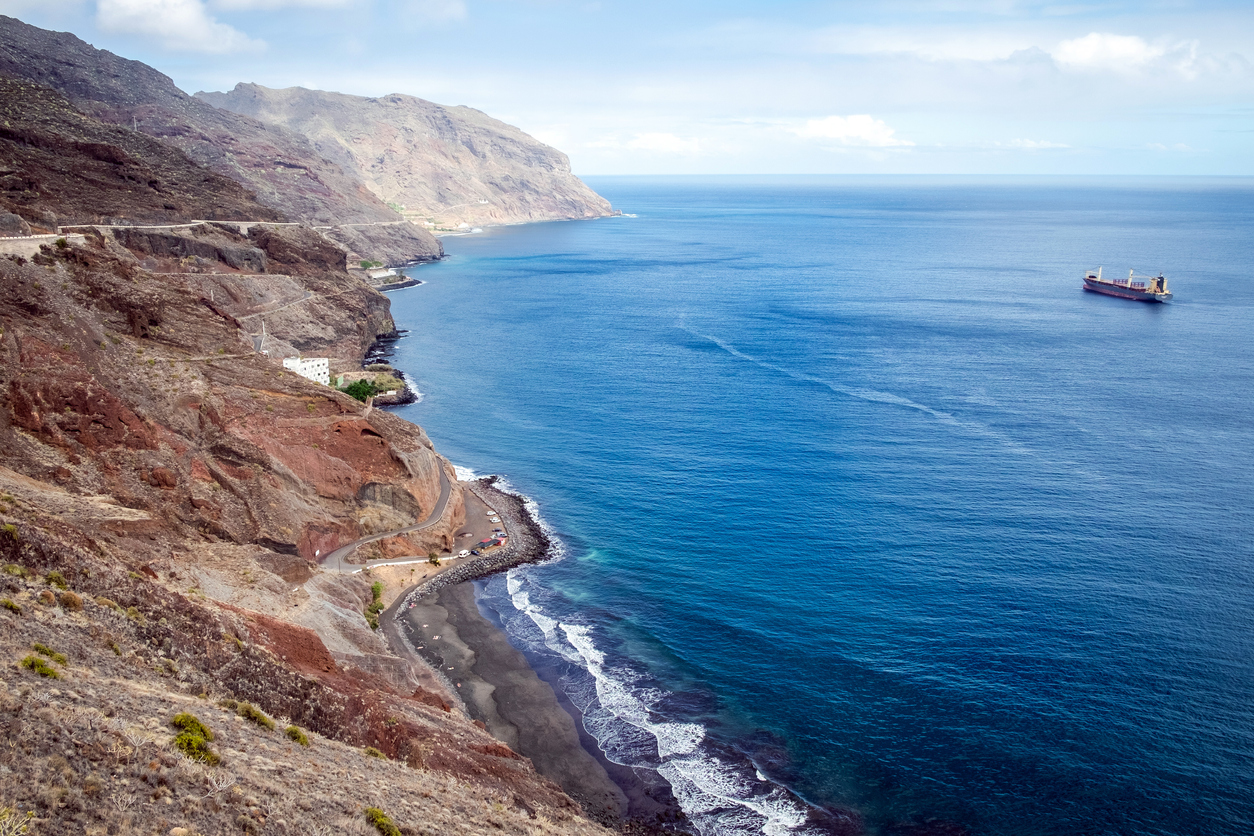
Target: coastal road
336,558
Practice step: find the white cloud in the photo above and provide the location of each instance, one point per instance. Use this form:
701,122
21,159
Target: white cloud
176,24
859,130
251,5
665,143
1099,51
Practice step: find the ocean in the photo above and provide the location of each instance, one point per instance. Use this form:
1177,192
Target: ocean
867,518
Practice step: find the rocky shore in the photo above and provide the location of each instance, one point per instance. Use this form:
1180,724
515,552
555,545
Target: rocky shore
527,542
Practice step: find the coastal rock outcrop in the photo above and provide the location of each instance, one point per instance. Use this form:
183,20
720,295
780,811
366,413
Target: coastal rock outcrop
446,165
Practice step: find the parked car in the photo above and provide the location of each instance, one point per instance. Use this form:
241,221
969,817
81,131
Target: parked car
463,553
475,552
495,520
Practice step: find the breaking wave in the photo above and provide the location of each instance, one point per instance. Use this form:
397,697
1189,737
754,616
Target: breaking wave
722,792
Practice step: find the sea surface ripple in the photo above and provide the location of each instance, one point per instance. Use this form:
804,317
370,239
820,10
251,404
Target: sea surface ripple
870,520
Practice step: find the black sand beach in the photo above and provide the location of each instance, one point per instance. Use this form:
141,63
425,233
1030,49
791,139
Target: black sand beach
442,623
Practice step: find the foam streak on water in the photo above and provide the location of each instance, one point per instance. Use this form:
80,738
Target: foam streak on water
862,500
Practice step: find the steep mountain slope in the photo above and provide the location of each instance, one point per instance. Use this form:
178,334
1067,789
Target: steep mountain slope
164,491
279,166
58,166
452,164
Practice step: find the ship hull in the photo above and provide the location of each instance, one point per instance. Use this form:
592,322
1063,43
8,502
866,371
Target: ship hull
1122,292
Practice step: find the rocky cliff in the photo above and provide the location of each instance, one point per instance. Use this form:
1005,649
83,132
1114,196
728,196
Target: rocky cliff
279,166
447,164
165,491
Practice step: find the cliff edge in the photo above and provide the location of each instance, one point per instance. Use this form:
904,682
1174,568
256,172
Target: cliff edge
443,165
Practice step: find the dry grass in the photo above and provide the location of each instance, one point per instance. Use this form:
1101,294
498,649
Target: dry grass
94,753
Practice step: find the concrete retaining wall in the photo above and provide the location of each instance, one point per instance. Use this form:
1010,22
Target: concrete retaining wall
28,246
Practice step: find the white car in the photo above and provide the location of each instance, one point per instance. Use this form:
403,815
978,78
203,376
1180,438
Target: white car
463,553
495,520
491,513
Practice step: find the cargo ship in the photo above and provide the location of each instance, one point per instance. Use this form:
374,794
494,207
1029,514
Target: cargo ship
1141,288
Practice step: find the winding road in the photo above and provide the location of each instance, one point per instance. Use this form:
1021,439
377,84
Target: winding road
336,558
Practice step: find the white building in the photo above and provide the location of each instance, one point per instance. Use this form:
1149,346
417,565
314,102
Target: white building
314,368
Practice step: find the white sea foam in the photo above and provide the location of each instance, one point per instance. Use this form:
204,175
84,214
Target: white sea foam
616,704
870,395
464,474
413,387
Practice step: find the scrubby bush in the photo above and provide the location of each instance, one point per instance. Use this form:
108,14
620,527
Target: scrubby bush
376,605
110,603
193,739
12,568
359,389
255,715
136,616
47,598
55,578
229,703
382,822
44,650
39,666
372,752
13,823
10,530
294,733
70,601
10,606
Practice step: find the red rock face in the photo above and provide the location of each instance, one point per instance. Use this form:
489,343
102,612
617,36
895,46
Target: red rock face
233,449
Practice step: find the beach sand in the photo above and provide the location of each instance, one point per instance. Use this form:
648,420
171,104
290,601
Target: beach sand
497,686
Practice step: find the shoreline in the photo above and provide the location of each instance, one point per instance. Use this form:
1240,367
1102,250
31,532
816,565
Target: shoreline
443,622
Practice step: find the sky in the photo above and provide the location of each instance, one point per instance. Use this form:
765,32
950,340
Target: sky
750,87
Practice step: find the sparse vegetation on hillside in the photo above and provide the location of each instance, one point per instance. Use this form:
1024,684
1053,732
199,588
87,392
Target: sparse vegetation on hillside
376,605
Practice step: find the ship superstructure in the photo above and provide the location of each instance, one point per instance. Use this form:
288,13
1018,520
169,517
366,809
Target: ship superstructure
1140,288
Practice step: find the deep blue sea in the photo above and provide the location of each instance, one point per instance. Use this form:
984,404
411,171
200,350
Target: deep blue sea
869,519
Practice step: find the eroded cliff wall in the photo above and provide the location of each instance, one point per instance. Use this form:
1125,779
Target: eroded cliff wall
450,164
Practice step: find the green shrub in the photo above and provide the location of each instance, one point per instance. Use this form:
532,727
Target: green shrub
229,703
12,568
381,822
10,530
39,666
114,647
255,715
193,739
136,616
376,606
294,733
55,578
372,752
359,389
70,601
191,723
61,243
10,606
44,650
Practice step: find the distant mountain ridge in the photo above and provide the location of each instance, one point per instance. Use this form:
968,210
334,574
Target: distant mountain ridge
450,164
279,166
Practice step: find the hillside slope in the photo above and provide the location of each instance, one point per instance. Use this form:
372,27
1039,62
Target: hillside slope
279,166
450,164
165,491
58,166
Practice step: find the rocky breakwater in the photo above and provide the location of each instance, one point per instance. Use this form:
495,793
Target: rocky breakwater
527,542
